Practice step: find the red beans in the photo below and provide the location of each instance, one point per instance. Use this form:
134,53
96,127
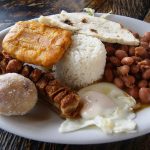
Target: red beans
123,70
145,45
136,59
146,74
118,82
121,54
128,67
134,69
127,61
114,60
147,35
142,83
144,94
144,39
128,81
108,75
125,47
134,92
140,51
131,51
144,64
110,50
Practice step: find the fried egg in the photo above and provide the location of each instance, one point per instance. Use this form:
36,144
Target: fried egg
106,107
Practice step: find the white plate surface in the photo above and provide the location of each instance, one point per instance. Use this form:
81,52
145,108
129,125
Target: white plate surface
42,124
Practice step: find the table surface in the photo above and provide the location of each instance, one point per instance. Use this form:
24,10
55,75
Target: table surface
15,10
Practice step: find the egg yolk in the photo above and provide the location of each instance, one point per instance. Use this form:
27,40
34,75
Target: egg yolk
96,103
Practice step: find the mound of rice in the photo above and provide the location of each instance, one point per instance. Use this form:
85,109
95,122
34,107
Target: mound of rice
83,63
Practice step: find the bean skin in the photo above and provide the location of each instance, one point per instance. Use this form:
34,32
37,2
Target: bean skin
119,83
108,75
144,94
149,45
136,59
144,44
144,64
142,83
129,81
146,74
114,60
144,39
123,70
140,51
134,92
147,35
131,51
125,47
127,61
110,50
121,54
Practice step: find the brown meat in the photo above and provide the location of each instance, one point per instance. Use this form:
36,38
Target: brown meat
53,90
60,95
35,75
62,99
26,70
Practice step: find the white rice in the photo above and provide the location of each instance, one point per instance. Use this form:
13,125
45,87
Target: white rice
83,63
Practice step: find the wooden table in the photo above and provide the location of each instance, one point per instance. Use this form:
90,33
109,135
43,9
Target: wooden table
15,10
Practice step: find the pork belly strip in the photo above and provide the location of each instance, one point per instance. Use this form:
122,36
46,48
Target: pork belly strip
64,100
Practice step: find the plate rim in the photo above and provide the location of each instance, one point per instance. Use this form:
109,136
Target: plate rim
2,32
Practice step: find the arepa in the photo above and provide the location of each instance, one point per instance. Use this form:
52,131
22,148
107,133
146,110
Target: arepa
104,29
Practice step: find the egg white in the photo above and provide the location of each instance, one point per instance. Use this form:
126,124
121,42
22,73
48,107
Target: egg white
105,106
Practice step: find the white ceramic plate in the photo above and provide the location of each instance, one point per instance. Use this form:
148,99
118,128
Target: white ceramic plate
42,124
